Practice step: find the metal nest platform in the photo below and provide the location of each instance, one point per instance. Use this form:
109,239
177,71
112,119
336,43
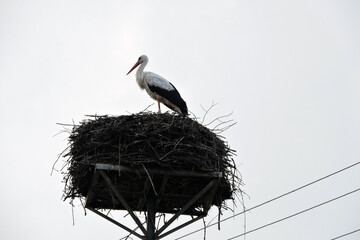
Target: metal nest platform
157,195
169,194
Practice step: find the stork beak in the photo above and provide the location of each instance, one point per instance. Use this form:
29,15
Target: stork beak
136,64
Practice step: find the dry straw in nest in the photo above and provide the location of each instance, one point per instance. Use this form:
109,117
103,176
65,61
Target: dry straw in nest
148,141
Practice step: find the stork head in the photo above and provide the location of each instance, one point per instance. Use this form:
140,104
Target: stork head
142,59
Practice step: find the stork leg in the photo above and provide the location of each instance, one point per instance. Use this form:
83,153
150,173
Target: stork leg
159,112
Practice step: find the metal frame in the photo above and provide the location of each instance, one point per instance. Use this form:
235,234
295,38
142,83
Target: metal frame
151,199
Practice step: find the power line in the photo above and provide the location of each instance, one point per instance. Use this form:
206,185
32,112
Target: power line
357,230
295,214
271,200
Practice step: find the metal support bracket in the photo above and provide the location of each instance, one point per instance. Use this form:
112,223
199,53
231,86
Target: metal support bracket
123,201
116,222
183,209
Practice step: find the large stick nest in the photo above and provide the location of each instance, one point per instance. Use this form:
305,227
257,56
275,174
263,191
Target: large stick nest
148,141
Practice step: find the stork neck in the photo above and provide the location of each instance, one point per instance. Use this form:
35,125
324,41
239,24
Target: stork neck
140,70
140,75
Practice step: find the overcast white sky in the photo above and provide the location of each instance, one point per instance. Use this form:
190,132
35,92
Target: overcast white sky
288,70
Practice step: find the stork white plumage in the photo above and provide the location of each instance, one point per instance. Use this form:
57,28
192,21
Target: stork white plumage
158,87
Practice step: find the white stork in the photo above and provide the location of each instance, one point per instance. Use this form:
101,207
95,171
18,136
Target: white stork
158,87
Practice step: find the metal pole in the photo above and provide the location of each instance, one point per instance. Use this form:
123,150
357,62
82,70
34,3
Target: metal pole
150,203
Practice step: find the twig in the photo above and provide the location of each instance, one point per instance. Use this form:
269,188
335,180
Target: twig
152,184
72,213
204,228
207,111
66,124
221,130
219,119
57,159
68,131
146,109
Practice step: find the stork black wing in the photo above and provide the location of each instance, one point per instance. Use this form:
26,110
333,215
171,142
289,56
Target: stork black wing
172,96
